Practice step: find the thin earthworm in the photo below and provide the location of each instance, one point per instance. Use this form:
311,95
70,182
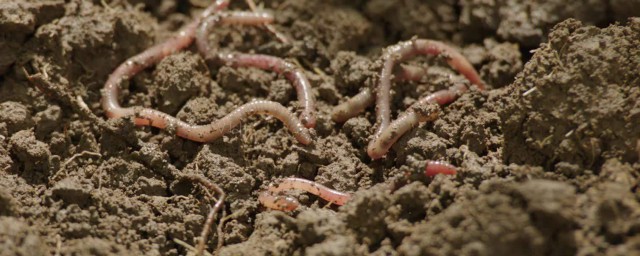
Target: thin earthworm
433,168
379,146
294,74
151,56
353,106
199,133
272,200
392,55
213,188
269,199
365,97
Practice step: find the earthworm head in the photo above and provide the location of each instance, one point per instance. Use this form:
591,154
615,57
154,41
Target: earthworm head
308,120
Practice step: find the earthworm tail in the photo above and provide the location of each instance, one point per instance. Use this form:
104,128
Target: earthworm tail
380,145
213,188
294,74
268,199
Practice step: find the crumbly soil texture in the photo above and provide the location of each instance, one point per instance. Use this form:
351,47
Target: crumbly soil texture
547,156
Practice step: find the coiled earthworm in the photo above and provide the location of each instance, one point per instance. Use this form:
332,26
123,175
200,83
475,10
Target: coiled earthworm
270,199
294,74
379,146
392,55
151,56
200,133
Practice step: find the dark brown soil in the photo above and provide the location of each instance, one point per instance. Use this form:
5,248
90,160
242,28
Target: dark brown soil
548,157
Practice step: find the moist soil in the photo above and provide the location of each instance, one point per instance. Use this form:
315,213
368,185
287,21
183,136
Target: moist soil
548,156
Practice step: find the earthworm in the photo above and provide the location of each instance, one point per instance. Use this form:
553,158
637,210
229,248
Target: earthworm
294,74
392,55
379,145
433,168
151,56
270,200
199,133
365,98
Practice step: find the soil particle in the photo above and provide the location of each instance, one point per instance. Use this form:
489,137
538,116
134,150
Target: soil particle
576,100
494,216
94,246
19,238
47,121
8,205
524,22
15,116
34,154
435,19
233,179
624,9
18,20
178,78
79,46
503,62
323,30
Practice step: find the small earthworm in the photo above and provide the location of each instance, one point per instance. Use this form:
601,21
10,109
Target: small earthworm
379,145
200,133
270,200
294,74
433,168
365,98
392,55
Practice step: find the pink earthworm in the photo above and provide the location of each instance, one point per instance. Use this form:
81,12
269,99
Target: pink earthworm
270,200
379,146
294,74
199,133
151,56
433,168
365,98
392,55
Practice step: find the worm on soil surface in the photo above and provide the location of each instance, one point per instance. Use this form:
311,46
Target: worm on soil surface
390,57
433,168
294,74
270,200
411,118
200,133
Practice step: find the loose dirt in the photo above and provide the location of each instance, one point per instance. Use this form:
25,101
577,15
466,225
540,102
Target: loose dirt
548,156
